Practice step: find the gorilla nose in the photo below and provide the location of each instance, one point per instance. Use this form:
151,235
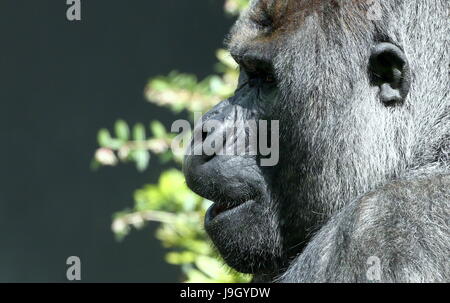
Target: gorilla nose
212,165
197,166
208,140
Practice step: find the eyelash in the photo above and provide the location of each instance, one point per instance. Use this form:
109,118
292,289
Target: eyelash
259,79
269,78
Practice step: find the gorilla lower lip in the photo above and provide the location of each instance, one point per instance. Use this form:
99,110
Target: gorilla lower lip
218,208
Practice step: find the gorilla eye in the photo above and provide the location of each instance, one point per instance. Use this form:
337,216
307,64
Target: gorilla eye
258,79
269,78
258,69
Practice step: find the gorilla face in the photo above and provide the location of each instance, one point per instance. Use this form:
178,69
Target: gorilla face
242,222
321,69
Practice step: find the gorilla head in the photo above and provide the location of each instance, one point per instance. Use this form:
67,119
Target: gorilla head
361,95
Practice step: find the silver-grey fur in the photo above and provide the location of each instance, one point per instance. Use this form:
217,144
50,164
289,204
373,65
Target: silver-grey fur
356,178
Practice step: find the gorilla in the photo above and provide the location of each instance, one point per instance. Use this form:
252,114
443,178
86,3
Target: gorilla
361,190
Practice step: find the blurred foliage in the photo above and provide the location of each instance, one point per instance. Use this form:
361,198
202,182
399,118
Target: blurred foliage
178,210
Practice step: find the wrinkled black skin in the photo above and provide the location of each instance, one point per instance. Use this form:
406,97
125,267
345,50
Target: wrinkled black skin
364,164
238,179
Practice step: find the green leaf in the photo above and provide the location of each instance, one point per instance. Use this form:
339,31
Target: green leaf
142,158
139,132
158,129
166,157
122,130
178,258
104,137
196,276
211,267
225,58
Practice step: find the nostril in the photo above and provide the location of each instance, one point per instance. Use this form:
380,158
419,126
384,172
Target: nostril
208,152
213,139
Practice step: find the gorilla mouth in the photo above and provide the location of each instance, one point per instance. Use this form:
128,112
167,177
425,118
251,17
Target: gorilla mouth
219,208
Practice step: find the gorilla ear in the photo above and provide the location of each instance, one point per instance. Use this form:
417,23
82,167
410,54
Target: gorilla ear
389,70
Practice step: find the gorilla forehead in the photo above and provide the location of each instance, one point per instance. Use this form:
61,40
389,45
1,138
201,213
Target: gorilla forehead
280,13
268,24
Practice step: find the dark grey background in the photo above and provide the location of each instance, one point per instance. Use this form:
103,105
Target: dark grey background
60,82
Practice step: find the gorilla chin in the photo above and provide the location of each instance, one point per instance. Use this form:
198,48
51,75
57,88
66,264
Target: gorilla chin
239,222
240,243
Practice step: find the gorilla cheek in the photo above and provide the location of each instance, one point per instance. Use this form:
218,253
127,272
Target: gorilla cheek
246,237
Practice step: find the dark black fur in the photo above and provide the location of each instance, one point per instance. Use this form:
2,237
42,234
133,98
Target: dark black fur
364,171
